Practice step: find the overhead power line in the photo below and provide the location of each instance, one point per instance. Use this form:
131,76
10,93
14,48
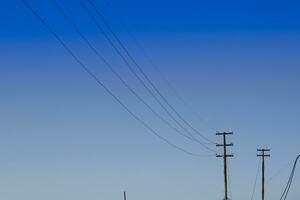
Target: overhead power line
93,76
290,181
168,83
256,178
279,171
98,12
95,21
111,68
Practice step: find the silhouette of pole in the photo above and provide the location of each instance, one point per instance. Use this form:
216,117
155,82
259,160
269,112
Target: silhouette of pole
124,195
263,155
225,156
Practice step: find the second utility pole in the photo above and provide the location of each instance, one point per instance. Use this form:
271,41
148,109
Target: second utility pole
263,155
225,156
124,195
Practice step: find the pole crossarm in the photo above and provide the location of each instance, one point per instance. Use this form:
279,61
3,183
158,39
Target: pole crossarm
228,145
222,156
263,149
263,155
224,133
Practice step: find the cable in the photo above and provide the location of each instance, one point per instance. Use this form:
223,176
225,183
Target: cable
132,70
140,80
162,75
144,74
107,64
287,188
290,181
285,192
255,182
93,76
280,171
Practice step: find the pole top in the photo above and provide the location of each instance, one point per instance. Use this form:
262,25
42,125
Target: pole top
263,149
224,133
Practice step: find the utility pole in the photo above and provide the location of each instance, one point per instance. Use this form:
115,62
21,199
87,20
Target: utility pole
225,156
263,155
124,195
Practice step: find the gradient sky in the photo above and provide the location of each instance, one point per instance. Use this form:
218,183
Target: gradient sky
62,137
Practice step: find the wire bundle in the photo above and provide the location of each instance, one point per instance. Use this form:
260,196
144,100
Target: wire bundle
142,77
290,181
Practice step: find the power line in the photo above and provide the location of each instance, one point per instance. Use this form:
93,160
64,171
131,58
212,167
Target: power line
162,75
93,76
95,21
144,74
279,171
132,70
290,181
142,71
256,178
110,67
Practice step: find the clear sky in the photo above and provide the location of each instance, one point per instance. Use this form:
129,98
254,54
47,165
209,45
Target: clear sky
63,137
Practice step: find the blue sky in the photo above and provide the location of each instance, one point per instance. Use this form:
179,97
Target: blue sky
63,137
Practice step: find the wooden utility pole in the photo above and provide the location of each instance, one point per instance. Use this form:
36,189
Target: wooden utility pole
263,155
124,195
225,156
